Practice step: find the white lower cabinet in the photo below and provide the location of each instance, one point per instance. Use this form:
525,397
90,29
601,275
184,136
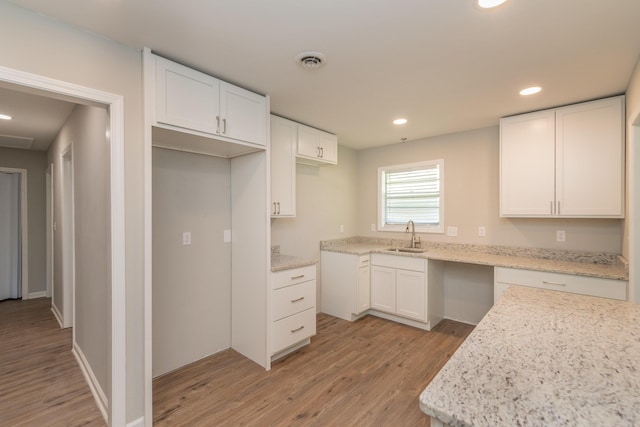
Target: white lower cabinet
593,286
293,309
345,286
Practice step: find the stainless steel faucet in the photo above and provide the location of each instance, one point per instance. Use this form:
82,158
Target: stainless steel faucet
415,241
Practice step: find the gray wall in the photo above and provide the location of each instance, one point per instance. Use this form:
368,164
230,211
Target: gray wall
57,51
472,197
85,131
35,162
192,283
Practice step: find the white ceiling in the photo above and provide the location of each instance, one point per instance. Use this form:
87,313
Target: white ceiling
445,65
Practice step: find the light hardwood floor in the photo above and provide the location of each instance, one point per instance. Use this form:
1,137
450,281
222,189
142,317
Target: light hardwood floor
40,381
366,373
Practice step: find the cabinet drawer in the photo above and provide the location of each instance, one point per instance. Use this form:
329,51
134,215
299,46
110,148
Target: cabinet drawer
402,262
293,299
292,329
606,288
293,276
363,261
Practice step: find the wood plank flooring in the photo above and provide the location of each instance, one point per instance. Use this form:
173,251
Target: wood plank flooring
366,373
40,381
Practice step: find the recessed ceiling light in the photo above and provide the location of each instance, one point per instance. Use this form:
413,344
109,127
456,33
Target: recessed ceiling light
488,4
530,90
5,117
399,121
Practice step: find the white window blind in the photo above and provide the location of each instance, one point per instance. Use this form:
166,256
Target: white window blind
411,192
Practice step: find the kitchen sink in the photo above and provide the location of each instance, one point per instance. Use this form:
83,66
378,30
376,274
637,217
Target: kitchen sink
407,250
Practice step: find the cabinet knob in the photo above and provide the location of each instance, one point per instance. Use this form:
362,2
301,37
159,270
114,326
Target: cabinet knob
224,126
217,124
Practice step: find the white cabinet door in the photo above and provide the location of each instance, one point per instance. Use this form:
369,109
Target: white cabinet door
383,289
364,289
411,295
243,114
527,164
317,146
566,162
284,134
186,98
590,159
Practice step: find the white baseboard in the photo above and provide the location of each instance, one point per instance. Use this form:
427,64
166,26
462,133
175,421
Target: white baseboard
94,386
136,423
57,315
41,294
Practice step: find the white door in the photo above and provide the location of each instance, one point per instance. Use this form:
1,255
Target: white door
411,294
243,114
383,289
10,247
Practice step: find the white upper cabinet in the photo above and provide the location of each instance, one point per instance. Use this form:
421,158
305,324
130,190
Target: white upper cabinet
565,162
316,146
195,101
284,135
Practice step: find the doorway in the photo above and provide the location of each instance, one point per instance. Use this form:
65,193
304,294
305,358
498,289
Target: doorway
13,226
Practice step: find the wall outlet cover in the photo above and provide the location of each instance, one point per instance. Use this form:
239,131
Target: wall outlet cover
452,231
186,238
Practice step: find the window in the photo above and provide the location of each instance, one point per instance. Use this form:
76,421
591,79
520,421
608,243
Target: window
411,192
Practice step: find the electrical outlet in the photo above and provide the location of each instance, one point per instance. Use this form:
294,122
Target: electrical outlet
186,238
452,231
373,227
342,228
561,236
226,237
482,231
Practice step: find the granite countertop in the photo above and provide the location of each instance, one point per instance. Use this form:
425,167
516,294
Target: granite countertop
543,358
602,265
281,262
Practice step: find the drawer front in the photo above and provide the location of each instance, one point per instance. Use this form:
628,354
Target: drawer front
363,261
293,276
402,262
293,299
606,288
290,330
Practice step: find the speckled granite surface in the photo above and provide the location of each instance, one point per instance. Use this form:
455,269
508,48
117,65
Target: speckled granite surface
603,265
544,358
281,262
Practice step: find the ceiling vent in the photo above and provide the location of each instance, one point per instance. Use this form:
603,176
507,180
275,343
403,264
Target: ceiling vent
311,60
11,141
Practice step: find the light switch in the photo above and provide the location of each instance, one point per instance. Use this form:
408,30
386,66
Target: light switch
186,238
482,231
452,231
227,236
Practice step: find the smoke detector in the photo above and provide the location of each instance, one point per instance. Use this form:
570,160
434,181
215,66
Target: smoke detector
311,60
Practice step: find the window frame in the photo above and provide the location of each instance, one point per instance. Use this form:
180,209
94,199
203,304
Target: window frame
420,228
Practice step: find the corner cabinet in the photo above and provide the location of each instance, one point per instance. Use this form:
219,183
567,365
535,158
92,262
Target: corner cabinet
565,162
345,284
284,135
194,101
316,147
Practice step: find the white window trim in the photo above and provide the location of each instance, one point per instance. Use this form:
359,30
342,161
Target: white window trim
420,228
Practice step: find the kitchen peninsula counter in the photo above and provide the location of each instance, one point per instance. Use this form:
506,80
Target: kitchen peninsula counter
543,358
590,264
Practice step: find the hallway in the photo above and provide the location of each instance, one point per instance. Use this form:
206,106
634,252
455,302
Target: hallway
41,381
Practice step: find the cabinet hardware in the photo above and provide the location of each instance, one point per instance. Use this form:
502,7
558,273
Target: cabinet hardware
297,329
224,126
278,208
322,152
558,207
551,207
297,277
365,261
217,124
274,208
297,299
553,283
318,148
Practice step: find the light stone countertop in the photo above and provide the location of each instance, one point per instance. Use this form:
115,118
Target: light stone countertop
281,262
543,358
602,265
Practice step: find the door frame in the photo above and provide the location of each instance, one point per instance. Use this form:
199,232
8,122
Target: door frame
68,240
117,399
24,234
48,174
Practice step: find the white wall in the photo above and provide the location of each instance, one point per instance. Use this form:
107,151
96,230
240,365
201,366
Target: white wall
57,51
86,129
35,162
191,283
472,197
